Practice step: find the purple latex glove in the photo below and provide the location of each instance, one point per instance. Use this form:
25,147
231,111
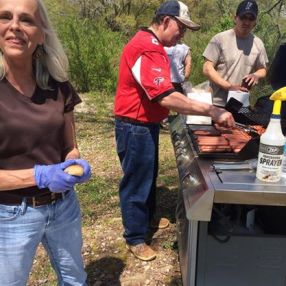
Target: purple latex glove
54,177
86,170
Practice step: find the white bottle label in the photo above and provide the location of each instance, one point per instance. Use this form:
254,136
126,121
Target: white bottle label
284,163
269,163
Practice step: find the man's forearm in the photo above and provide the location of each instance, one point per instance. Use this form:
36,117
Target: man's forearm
210,72
261,73
181,104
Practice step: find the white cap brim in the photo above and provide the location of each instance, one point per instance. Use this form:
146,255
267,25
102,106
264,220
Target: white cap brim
189,24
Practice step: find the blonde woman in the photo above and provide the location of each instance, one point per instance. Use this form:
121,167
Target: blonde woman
37,142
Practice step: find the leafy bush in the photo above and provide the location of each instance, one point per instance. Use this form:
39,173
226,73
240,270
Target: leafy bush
93,53
94,32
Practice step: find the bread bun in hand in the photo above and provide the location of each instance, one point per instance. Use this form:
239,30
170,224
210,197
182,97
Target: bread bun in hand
74,170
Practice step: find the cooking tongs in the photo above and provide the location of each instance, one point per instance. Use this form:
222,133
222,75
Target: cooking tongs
247,128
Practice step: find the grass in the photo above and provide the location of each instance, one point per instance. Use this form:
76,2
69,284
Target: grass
99,197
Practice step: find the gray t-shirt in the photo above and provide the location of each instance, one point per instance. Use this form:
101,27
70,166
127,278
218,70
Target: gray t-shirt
234,58
177,55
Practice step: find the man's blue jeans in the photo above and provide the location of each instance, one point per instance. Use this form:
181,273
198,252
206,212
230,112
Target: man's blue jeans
137,148
57,226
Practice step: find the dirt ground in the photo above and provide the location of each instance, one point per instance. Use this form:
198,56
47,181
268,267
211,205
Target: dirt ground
114,265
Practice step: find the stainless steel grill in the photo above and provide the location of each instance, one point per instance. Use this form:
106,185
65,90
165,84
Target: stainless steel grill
248,257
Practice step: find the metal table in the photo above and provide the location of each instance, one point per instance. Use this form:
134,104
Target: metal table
200,188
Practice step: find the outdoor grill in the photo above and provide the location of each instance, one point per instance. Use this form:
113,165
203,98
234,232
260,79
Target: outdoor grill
230,226
236,143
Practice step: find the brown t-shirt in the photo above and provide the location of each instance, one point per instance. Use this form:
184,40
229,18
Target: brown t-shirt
31,129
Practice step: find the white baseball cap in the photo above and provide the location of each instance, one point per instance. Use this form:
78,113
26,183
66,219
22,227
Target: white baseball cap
180,11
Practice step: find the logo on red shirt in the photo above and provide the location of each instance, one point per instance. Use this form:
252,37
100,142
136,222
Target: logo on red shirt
157,69
158,80
155,41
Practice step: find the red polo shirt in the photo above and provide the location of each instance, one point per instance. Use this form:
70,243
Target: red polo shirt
144,78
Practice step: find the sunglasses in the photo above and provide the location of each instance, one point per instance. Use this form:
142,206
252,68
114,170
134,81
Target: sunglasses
246,17
182,27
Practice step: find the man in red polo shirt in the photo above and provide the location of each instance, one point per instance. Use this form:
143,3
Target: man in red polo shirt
144,97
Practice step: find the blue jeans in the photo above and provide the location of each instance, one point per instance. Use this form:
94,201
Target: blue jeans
137,148
57,226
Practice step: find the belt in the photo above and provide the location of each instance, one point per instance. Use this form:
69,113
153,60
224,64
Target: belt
133,121
37,201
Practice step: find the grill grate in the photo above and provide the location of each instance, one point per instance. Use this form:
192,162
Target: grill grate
243,150
252,118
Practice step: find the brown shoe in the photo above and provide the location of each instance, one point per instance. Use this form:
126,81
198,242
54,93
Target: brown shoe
142,251
160,223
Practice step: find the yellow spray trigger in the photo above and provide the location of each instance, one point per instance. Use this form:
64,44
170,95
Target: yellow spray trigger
278,96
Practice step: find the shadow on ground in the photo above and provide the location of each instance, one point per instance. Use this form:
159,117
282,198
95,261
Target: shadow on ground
166,207
105,271
177,281
167,202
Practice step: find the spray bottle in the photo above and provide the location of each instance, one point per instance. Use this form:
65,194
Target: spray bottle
272,142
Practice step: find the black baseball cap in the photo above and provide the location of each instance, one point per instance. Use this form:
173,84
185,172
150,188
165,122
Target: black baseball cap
180,11
247,7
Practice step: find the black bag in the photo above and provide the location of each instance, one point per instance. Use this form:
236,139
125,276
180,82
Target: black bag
277,71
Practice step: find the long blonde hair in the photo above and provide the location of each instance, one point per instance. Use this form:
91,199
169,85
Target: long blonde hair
52,61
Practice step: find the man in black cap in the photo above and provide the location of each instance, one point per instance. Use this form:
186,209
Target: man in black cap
143,98
235,56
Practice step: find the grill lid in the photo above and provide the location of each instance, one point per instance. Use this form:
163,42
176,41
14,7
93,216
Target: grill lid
246,115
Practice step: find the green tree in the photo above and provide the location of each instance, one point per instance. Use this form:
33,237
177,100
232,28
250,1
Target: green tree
92,48
93,52
94,32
